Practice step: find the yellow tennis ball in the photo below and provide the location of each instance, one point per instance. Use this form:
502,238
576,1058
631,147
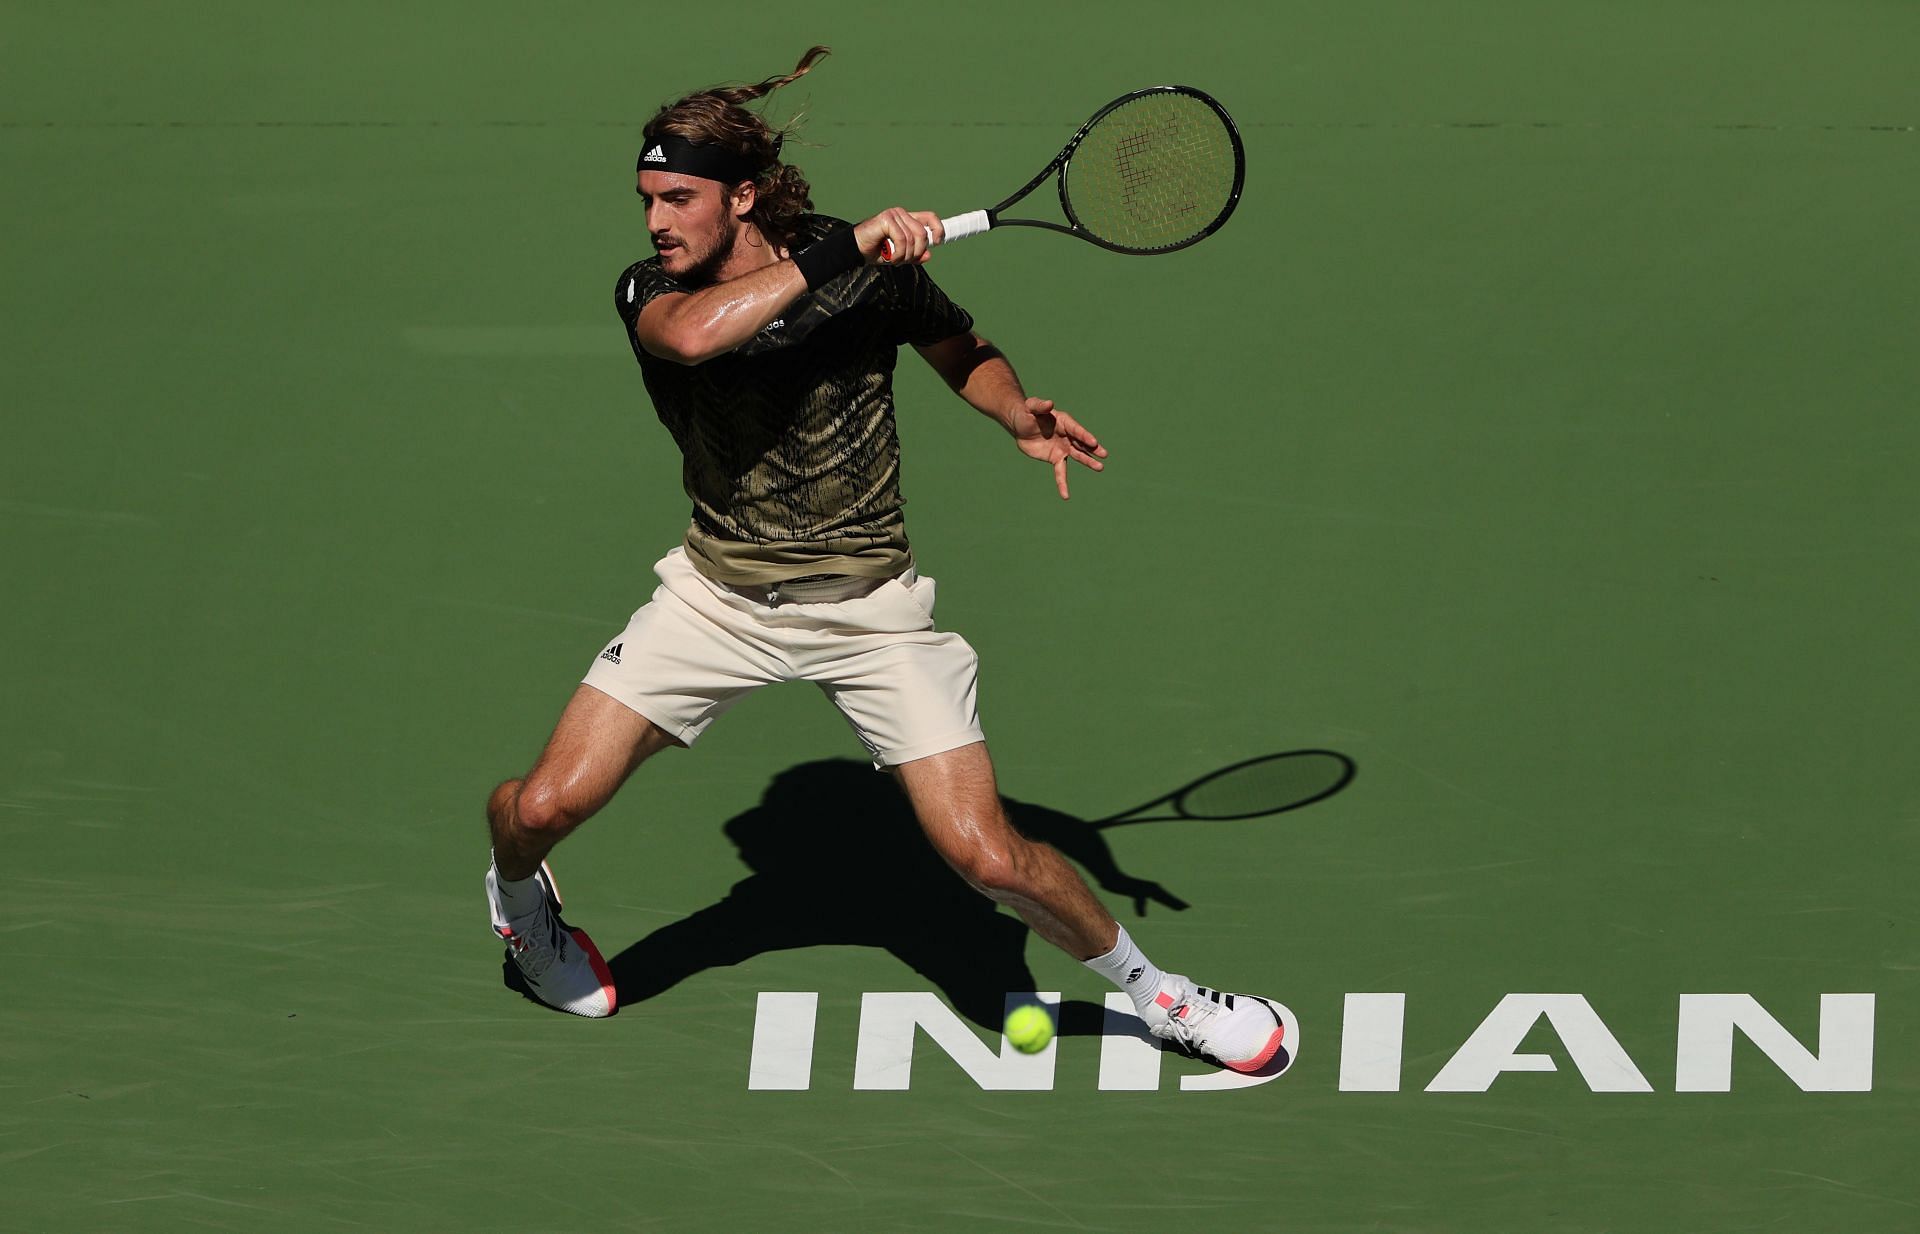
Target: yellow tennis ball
1029,1028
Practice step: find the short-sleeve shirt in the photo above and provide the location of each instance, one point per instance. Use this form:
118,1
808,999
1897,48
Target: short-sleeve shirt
788,441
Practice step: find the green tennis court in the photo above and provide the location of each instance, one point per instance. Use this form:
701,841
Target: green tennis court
1536,440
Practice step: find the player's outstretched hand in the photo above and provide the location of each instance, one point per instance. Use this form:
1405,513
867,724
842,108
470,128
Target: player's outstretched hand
1053,437
898,237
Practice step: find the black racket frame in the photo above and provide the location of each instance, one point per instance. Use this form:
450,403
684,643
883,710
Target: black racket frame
1062,159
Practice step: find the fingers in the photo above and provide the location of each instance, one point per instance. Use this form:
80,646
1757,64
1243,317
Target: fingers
1080,444
1077,437
1057,437
935,229
1056,456
890,236
897,236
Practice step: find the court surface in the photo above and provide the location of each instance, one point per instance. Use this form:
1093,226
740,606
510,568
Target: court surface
1538,439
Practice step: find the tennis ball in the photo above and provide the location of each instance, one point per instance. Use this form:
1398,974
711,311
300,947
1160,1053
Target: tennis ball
1029,1028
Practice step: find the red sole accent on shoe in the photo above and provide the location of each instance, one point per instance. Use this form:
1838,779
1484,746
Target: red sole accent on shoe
605,974
1264,1057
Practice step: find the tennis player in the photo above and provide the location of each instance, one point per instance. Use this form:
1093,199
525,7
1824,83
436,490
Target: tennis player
766,336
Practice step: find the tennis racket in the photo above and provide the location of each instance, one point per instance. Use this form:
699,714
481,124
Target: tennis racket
1153,172
1270,784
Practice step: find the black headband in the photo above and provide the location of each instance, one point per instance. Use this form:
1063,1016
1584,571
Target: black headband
685,158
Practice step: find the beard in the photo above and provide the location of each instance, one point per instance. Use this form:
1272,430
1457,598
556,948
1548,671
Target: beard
707,269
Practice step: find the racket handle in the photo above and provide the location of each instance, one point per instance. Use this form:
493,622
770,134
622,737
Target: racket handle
972,223
959,227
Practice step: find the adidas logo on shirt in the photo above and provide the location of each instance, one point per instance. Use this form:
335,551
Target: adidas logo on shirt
655,155
612,653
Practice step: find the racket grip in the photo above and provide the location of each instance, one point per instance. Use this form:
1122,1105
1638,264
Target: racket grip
972,223
959,227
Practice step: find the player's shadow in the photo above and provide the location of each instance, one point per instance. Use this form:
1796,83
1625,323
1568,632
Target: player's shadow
837,858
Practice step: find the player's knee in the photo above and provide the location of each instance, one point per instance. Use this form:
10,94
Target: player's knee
542,808
500,801
991,869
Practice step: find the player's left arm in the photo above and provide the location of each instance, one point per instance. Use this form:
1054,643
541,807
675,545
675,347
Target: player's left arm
981,374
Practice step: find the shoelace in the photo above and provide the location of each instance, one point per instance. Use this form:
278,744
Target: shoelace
533,958
1200,1011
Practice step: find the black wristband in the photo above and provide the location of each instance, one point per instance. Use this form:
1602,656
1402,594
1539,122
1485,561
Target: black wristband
829,257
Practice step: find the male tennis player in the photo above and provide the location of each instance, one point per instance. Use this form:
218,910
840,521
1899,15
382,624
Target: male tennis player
766,336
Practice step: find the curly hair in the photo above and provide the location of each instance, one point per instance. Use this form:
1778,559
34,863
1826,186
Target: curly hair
718,116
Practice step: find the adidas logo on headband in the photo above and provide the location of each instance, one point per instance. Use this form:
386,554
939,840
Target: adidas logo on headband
678,156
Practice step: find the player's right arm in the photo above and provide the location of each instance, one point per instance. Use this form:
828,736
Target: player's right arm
692,327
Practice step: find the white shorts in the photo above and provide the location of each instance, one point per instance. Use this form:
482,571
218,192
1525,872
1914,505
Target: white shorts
696,649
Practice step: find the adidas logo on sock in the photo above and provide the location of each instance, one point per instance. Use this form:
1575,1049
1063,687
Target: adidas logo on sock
1135,974
612,653
655,155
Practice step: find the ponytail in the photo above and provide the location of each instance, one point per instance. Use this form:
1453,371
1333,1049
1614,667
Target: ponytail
739,96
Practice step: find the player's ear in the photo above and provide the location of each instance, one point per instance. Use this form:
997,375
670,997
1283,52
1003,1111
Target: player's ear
742,200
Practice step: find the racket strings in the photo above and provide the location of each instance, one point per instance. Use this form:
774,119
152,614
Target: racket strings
1154,173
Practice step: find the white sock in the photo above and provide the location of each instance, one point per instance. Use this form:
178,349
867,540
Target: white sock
519,897
1127,968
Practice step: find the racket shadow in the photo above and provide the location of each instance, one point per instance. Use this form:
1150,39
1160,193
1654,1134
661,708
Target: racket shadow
836,858
1252,788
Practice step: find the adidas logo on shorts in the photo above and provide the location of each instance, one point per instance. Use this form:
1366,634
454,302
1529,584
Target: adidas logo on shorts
612,653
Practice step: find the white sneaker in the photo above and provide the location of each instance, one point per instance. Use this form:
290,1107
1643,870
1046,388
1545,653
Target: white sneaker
1241,1032
562,967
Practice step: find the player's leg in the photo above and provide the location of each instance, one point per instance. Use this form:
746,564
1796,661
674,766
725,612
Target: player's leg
594,748
957,801
909,691
684,658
